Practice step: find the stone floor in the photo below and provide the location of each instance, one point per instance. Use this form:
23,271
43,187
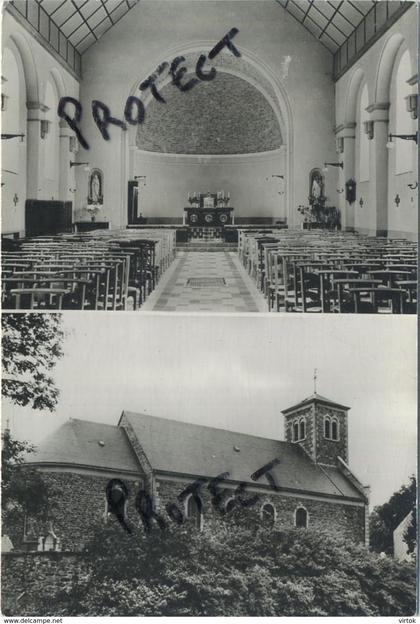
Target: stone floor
206,282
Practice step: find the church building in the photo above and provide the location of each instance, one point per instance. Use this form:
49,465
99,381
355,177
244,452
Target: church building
303,481
229,155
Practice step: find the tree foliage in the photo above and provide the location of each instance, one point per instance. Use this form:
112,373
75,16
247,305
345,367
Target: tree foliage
235,570
23,489
385,518
31,346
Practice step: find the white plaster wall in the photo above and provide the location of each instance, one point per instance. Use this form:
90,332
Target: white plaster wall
145,36
36,66
402,220
170,178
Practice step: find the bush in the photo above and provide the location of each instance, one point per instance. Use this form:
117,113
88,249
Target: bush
237,570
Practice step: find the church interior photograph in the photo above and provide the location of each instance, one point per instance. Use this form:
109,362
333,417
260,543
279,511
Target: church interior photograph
210,155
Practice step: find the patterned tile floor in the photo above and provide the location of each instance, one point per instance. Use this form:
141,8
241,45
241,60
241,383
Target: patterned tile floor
239,294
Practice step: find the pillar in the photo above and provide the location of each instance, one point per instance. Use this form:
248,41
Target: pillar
349,156
379,167
34,154
66,174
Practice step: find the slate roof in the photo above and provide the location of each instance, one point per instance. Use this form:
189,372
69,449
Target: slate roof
315,398
197,450
77,443
191,451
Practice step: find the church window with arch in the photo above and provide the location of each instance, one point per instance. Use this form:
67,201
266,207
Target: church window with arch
299,429
268,514
302,429
334,429
301,518
230,505
327,427
193,510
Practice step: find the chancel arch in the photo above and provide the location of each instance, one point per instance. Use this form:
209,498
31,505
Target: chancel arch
235,130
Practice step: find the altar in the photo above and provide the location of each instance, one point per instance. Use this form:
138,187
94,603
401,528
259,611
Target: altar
208,217
208,210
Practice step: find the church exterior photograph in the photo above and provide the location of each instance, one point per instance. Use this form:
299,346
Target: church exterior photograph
185,483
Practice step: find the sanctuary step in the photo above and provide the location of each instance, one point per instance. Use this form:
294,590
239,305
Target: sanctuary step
207,246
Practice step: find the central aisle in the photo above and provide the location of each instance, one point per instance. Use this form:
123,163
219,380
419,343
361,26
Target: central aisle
206,282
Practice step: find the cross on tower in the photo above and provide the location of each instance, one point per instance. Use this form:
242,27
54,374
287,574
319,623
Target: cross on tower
315,378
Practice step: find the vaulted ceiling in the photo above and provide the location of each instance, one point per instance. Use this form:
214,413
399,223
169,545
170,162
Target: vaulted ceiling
330,21
83,22
344,27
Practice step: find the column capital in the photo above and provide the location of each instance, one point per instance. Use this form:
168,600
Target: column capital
344,126
379,111
37,106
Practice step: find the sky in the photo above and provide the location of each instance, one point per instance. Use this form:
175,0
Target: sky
238,373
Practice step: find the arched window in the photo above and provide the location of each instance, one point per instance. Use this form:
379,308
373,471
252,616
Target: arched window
230,505
334,429
327,428
364,143
302,429
193,510
301,518
295,431
268,514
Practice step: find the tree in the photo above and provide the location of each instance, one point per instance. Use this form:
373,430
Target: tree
24,492
31,346
385,518
232,568
410,535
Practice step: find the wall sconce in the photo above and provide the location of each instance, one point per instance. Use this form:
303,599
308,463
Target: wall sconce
361,202
45,124
368,126
12,136
413,186
406,137
326,165
340,190
78,164
340,145
411,103
15,199
397,200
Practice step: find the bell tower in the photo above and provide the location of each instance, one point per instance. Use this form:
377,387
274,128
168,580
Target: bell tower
320,426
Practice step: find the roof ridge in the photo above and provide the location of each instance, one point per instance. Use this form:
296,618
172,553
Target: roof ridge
183,422
93,422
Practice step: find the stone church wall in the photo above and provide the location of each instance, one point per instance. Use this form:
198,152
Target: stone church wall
344,519
77,506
